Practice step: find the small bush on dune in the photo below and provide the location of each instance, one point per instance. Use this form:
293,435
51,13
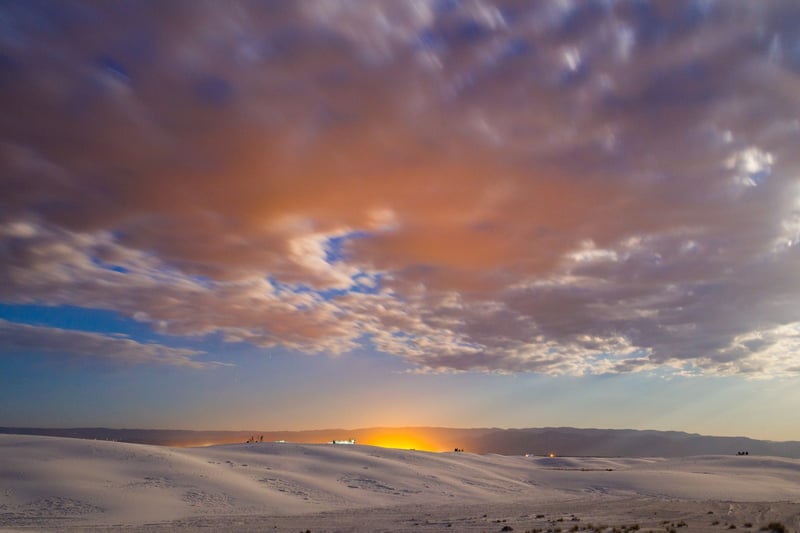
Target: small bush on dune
777,527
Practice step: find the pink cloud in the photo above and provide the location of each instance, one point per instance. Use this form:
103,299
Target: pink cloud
523,211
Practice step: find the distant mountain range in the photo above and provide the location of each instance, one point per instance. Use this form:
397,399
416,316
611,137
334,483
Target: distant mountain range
538,441
622,442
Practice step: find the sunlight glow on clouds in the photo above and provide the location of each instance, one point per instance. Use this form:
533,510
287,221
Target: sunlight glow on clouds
556,187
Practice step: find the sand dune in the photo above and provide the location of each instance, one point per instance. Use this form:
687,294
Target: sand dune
58,483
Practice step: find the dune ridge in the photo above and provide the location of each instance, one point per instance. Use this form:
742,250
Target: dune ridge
54,482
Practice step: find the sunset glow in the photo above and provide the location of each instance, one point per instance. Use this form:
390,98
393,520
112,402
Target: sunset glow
404,441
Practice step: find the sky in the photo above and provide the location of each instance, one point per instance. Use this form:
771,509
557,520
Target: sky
331,213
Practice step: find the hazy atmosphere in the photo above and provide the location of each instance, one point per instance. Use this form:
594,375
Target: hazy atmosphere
333,214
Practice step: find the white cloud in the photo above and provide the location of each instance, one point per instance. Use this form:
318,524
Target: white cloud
571,57
309,253
751,166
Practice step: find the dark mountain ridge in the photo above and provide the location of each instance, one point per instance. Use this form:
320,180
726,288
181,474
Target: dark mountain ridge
539,441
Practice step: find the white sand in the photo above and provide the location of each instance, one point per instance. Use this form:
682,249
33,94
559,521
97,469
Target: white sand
52,483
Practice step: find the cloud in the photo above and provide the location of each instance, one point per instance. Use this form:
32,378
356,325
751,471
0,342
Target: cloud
563,188
117,348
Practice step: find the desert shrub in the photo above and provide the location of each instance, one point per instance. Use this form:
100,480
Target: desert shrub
748,524
732,526
777,527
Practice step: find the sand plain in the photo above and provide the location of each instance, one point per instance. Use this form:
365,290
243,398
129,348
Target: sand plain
52,483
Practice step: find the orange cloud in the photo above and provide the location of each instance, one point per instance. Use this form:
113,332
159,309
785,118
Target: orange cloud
561,196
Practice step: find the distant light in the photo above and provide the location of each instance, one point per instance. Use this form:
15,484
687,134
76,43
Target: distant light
403,441
552,455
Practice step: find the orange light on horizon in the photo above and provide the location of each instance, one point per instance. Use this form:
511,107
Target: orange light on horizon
402,441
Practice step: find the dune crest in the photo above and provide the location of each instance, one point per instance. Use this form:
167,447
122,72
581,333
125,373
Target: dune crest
56,482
